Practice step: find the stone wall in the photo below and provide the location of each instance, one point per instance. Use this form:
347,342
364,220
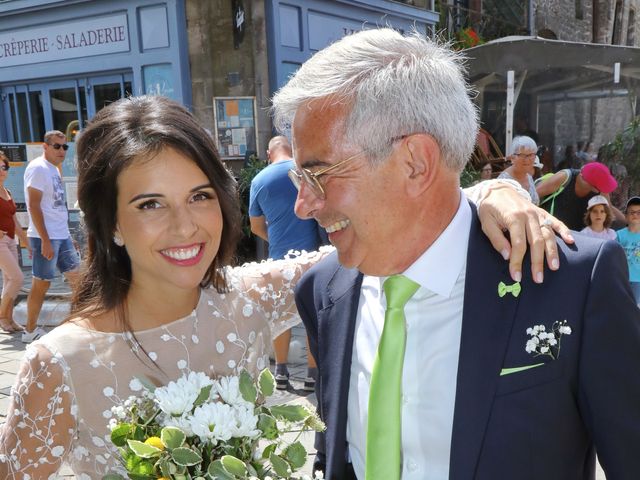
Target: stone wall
219,69
597,120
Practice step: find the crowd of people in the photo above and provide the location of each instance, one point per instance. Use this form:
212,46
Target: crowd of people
435,353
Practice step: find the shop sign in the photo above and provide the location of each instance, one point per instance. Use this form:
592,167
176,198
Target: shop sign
59,41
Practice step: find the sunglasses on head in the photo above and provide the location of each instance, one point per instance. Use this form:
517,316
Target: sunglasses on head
58,146
4,167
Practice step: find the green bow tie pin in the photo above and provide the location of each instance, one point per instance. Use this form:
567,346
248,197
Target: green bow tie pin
514,289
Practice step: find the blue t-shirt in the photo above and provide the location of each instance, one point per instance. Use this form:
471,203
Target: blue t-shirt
273,196
630,241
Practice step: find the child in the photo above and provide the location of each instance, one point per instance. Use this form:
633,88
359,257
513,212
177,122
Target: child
629,238
598,219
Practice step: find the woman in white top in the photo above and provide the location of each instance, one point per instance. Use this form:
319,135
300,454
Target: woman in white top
156,296
522,157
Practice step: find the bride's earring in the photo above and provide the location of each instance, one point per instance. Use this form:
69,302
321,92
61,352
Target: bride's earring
117,239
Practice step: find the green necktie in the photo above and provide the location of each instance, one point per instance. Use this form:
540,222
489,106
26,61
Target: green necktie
383,458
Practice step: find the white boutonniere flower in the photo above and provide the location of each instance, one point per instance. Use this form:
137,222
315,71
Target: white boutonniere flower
543,342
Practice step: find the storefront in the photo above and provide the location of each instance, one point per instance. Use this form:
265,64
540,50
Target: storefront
61,61
296,29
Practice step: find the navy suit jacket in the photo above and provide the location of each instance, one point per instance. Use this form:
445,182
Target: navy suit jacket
544,422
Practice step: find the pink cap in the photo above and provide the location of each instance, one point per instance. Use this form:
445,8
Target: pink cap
598,175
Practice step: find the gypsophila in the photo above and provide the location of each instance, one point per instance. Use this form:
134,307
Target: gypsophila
196,427
543,342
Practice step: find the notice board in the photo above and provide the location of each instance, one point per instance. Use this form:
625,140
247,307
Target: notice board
235,130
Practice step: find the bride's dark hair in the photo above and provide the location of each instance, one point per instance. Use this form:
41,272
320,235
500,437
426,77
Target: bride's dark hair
131,130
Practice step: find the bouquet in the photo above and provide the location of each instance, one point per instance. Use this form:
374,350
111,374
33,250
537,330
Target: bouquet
198,428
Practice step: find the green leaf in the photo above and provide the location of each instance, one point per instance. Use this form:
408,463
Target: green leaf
268,426
120,434
145,469
139,476
203,396
113,476
139,434
280,465
185,456
216,470
234,465
172,437
292,413
143,450
266,382
146,382
165,467
296,455
247,387
268,450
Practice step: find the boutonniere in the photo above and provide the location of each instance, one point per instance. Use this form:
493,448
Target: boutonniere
514,289
543,342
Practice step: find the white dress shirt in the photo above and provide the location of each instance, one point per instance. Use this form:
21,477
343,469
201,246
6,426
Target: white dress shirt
434,323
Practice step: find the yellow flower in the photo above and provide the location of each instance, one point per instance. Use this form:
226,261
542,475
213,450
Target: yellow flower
155,442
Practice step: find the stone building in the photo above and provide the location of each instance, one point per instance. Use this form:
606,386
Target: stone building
560,123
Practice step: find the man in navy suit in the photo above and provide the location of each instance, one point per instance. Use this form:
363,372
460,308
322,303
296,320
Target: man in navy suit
500,379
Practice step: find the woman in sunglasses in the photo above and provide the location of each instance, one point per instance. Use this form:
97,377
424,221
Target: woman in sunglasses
11,273
157,296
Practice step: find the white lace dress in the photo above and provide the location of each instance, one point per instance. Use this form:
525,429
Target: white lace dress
71,378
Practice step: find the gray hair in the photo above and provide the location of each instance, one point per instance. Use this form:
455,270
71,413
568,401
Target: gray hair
522,142
396,85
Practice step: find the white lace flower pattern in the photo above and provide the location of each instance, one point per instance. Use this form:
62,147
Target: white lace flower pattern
70,379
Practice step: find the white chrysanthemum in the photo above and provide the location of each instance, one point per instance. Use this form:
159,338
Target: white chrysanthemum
212,422
183,423
229,390
176,398
246,423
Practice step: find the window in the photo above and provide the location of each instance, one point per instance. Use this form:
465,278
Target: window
579,10
69,110
616,36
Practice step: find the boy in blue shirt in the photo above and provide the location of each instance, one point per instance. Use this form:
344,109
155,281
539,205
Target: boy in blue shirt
629,238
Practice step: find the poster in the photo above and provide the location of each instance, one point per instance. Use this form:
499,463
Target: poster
236,130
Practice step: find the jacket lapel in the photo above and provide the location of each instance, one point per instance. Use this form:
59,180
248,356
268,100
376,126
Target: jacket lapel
336,324
487,321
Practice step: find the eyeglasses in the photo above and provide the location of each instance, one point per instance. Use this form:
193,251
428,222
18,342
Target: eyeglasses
58,146
4,167
526,155
311,178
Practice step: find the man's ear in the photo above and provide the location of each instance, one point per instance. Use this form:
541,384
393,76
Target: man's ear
421,162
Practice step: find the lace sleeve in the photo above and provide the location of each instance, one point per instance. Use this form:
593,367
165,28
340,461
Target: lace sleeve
268,286
41,421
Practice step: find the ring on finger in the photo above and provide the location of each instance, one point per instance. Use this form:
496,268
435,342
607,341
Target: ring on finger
547,222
